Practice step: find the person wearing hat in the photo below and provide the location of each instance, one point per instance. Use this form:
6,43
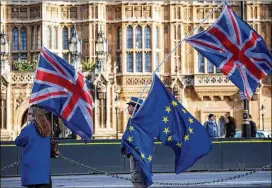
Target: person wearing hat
133,103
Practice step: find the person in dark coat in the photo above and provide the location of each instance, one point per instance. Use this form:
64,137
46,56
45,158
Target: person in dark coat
230,126
252,126
136,173
34,140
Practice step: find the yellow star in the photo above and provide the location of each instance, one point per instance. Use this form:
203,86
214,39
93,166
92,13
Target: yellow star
168,109
179,145
174,103
142,156
130,139
186,137
165,119
191,120
166,130
190,130
149,158
131,128
183,110
169,138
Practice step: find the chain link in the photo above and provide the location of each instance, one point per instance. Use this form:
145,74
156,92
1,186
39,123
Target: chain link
155,183
169,184
10,166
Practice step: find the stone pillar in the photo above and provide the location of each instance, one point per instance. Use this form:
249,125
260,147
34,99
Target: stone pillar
108,106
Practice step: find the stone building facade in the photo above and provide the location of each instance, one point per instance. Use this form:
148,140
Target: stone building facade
140,35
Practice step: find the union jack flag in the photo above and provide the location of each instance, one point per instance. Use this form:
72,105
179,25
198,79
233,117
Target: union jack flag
58,88
236,50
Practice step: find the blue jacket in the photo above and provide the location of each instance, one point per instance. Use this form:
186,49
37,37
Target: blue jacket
35,161
212,128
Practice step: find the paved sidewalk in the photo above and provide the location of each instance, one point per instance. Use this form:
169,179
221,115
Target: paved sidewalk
259,179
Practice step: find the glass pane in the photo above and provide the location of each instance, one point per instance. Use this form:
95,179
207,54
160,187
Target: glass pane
147,36
200,63
139,63
148,62
129,62
129,38
138,37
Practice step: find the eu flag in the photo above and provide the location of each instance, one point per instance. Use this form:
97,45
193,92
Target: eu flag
140,145
163,117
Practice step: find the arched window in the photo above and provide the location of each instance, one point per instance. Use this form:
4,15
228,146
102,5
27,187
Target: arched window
139,63
15,44
54,37
71,31
209,67
138,37
148,62
23,39
157,37
200,63
33,38
118,38
147,36
129,39
129,62
65,38
48,38
39,38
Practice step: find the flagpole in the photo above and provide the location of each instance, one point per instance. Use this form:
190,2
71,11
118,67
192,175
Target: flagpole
172,51
246,130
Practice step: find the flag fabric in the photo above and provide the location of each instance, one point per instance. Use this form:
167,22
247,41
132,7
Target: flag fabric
139,144
163,117
59,89
236,49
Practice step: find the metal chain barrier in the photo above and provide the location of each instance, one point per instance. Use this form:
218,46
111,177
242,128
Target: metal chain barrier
10,166
169,184
155,183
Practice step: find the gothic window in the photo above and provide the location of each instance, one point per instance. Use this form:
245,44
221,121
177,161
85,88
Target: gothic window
23,39
71,31
54,37
118,62
138,37
139,63
15,44
147,36
73,13
209,67
48,37
118,37
65,38
148,62
129,37
32,38
129,62
39,38
157,37
23,57
200,63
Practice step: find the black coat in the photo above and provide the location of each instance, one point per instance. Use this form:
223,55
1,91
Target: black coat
230,128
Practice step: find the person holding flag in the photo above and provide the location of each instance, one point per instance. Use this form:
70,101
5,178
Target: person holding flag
59,89
139,154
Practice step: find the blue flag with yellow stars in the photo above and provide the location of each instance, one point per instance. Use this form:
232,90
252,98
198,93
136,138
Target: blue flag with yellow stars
139,144
163,117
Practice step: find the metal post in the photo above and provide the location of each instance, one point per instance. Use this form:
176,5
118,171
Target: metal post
246,130
117,127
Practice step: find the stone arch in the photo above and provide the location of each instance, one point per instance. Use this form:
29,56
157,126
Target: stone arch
18,116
